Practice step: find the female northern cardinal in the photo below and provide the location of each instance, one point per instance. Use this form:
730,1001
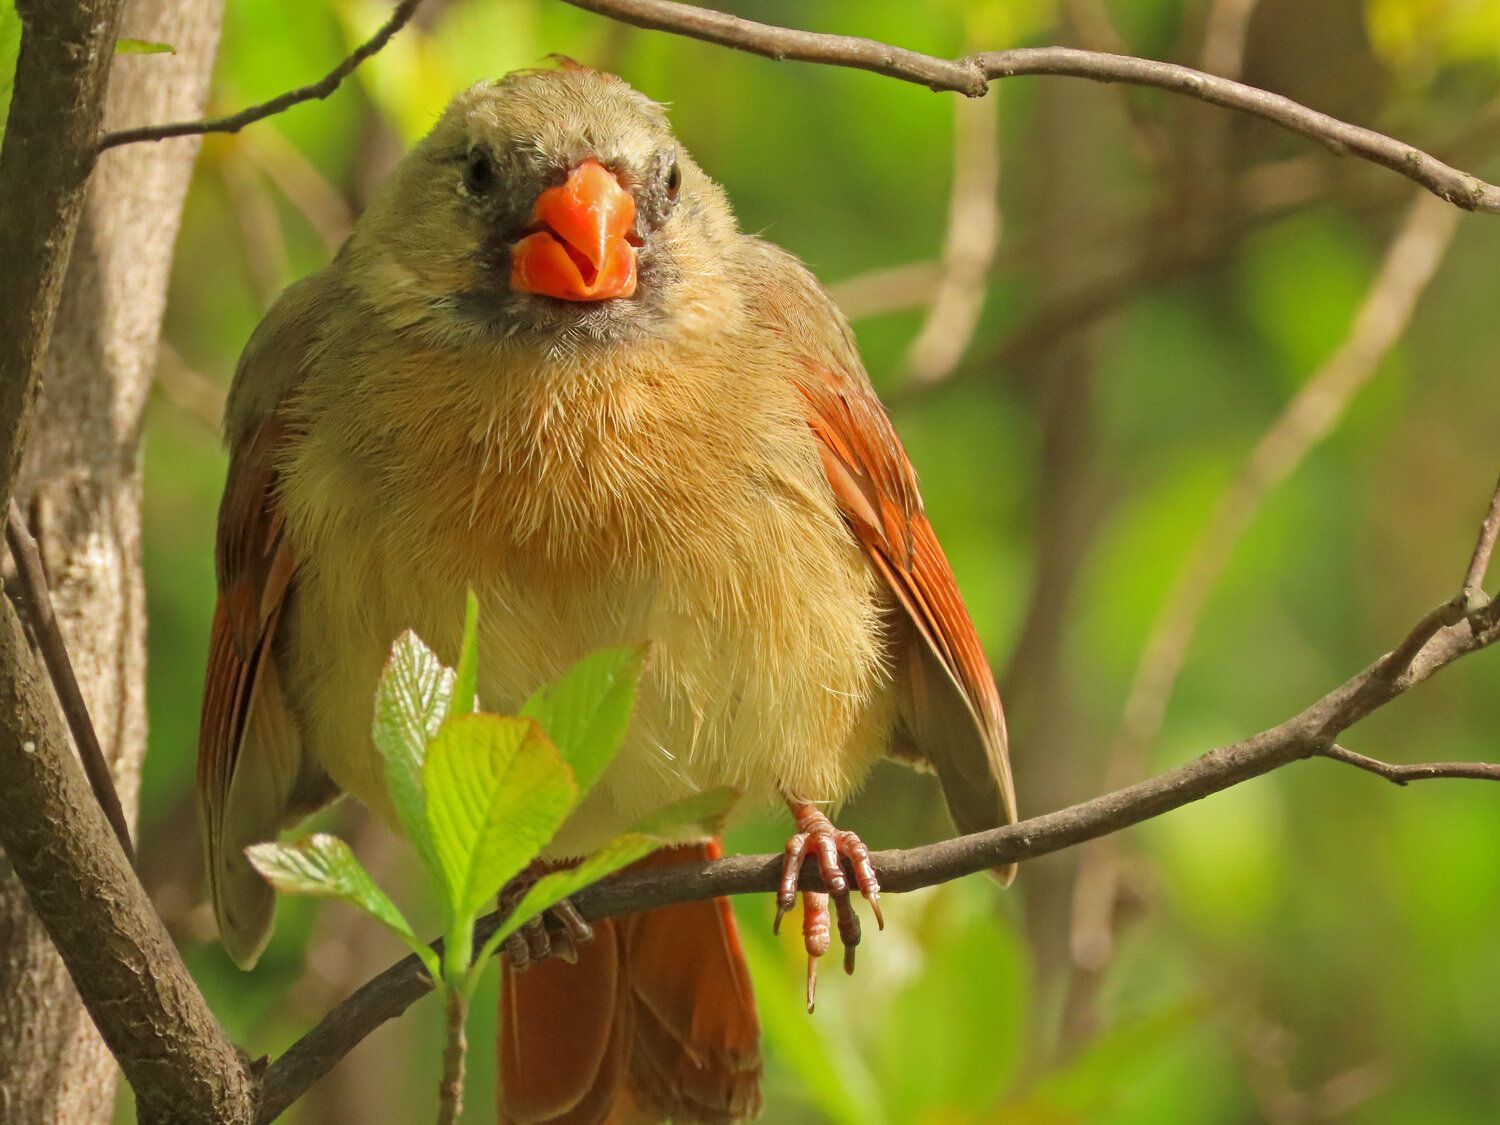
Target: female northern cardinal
547,363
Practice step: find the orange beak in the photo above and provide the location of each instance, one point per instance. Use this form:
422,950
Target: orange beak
582,255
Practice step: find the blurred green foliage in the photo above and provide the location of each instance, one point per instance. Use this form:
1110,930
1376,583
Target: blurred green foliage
1314,945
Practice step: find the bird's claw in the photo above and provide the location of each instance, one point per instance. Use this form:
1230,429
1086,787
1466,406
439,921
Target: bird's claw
817,836
535,941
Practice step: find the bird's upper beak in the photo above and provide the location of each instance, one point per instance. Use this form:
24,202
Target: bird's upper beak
581,253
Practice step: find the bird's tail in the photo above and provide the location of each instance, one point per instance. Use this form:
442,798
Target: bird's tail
655,1021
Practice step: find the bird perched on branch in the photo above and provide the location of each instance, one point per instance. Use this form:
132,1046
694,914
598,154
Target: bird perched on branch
549,364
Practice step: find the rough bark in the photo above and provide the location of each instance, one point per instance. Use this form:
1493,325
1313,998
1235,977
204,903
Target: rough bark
80,486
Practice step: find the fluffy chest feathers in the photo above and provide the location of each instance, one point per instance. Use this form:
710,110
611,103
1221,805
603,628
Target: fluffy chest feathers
590,505
623,465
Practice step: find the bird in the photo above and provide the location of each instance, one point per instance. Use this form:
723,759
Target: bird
548,365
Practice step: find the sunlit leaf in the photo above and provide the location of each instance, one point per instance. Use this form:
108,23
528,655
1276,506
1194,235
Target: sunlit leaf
497,792
587,712
324,866
410,702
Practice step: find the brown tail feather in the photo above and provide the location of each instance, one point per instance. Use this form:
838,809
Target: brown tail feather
656,1020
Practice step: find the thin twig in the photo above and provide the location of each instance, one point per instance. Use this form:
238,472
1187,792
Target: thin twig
972,74
1418,771
1306,735
455,1048
37,605
282,102
1488,530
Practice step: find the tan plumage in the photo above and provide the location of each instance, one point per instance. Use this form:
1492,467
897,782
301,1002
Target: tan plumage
701,464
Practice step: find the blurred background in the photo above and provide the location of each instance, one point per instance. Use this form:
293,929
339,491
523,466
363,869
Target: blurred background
1090,309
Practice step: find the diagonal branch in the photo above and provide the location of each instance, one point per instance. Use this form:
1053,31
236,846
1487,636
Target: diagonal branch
1306,735
282,102
1485,547
33,581
172,1050
972,74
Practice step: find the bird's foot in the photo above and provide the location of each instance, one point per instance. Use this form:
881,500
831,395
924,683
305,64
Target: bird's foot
817,836
557,931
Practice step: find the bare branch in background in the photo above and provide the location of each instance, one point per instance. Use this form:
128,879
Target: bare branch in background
1096,32
296,177
1409,265
189,390
972,74
279,104
968,247
1224,37
887,290
267,261
32,578
1488,530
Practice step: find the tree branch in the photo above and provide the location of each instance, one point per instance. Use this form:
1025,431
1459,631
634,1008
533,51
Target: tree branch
158,1026
1306,735
33,581
1417,771
972,74
1479,563
55,110
282,102
54,835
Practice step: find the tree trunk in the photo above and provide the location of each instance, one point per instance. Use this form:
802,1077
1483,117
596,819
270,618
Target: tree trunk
80,486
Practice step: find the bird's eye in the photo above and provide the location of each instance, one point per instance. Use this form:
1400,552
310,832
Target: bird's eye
479,172
674,181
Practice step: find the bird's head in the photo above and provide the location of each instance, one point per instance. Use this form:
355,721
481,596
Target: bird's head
550,204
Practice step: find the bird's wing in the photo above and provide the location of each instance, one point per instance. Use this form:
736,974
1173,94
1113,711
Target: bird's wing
252,775
950,708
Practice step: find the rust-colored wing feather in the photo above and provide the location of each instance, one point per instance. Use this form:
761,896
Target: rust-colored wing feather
249,752
252,774
950,708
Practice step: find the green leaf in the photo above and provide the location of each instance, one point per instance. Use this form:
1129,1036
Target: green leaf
587,712
143,47
410,702
690,819
467,687
324,866
497,792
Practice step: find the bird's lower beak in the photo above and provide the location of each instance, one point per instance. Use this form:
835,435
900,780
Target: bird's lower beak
582,253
